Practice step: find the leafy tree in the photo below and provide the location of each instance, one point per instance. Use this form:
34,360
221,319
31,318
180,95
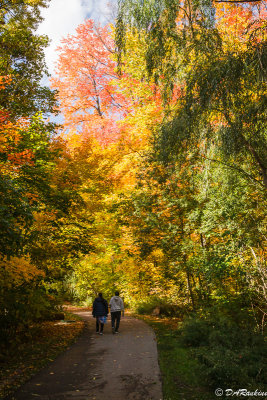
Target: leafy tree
22,58
85,83
26,159
207,163
220,72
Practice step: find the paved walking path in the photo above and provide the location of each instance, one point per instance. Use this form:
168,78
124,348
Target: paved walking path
123,366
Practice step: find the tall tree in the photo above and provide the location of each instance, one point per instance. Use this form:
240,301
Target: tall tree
221,66
85,79
22,58
208,159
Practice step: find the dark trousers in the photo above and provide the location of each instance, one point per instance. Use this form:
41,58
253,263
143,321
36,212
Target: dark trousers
115,317
97,325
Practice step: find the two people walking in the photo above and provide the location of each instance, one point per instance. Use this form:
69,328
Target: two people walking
100,312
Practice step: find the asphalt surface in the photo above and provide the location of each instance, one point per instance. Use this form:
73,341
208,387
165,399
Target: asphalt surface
120,366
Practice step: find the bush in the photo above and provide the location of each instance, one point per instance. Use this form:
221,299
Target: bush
232,355
147,306
158,306
20,306
223,367
195,332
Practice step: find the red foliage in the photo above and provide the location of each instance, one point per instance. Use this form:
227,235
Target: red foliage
86,80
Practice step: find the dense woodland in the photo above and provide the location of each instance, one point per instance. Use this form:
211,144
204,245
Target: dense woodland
155,183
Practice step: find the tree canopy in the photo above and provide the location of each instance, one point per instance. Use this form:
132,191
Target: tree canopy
155,183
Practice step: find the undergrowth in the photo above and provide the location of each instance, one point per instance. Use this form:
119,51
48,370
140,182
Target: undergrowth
219,347
231,356
182,375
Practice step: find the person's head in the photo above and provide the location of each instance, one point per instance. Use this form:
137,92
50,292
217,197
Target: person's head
100,295
117,293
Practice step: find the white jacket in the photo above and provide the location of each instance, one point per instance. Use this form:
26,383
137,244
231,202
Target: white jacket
116,304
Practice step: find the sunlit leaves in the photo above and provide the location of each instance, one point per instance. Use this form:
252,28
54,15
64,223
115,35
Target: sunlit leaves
22,58
208,155
85,75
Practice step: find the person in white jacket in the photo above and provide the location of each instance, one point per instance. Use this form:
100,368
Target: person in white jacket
116,308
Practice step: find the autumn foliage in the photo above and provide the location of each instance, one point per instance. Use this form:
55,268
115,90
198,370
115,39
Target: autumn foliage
86,77
155,182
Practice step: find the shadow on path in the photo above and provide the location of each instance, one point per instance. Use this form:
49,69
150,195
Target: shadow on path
108,367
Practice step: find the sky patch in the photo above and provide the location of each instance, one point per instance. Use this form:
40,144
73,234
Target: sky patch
62,18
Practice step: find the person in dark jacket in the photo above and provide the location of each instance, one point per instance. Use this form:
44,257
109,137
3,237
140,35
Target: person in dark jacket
100,312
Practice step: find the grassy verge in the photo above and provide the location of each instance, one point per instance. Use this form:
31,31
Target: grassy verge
182,375
46,340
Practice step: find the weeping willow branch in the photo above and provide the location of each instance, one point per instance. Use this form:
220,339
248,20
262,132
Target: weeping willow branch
234,167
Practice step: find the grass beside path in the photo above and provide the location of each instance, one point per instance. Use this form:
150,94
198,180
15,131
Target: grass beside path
46,340
182,375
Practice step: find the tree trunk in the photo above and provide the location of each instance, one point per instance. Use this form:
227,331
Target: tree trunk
190,289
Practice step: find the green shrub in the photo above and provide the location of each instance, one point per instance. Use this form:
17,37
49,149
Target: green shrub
231,354
223,367
20,306
147,306
160,307
195,332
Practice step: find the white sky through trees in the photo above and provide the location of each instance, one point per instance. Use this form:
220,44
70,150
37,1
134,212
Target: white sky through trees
63,16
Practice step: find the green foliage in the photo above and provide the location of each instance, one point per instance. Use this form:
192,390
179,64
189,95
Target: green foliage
220,82
22,58
25,188
14,207
182,374
20,306
154,305
188,232
232,354
28,188
195,332
166,46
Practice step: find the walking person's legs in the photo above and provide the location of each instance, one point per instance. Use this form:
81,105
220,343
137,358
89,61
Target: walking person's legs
118,318
101,327
113,317
97,325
